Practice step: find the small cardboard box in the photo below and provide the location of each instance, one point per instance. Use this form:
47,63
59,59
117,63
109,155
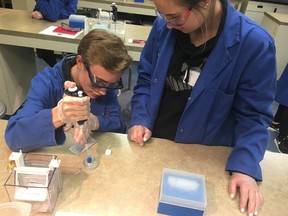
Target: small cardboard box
182,193
39,189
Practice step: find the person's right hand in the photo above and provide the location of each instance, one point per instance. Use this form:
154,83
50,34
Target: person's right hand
81,133
73,109
37,15
139,134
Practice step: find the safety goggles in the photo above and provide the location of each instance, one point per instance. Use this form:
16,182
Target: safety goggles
177,21
98,83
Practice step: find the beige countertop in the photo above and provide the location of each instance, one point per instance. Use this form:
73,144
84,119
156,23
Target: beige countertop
127,6
128,3
127,182
20,23
18,28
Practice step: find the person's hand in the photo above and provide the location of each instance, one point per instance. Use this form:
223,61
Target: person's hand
139,134
251,198
82,132
73,109
37,15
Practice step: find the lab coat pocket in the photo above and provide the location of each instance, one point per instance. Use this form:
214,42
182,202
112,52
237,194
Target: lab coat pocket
220,128
222,106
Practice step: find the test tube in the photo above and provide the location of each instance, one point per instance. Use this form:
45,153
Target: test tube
89,157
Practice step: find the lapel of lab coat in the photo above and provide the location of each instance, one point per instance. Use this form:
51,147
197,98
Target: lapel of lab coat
220,55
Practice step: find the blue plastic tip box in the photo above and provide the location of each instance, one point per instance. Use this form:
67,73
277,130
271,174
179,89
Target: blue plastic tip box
182,193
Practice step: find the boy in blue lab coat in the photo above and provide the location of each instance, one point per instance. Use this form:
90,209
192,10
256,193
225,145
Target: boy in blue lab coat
96,69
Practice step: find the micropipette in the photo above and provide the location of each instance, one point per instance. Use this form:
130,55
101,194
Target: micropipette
89,161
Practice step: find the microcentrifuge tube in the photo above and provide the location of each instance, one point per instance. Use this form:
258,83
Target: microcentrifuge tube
90,161
89,157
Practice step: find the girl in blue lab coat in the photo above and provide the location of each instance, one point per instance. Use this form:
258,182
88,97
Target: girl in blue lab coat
280,121
96,70
207,74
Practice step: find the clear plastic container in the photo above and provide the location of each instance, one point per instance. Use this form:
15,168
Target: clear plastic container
41,190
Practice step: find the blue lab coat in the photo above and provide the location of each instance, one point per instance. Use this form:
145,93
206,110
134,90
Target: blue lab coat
54,10
282,88
229,105
32,127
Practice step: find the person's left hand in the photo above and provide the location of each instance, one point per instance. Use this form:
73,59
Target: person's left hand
251,198
37,15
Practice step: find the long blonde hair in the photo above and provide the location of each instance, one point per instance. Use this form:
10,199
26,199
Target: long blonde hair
196,6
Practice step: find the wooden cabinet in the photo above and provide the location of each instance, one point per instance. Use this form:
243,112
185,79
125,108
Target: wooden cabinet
23,4
17,68
255,9
277,25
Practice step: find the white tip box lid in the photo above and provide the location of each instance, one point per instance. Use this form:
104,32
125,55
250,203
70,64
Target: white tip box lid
182,188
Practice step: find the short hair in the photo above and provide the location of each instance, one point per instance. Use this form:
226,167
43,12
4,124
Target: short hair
104,48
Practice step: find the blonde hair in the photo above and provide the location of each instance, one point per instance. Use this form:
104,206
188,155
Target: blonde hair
195,5
104,48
